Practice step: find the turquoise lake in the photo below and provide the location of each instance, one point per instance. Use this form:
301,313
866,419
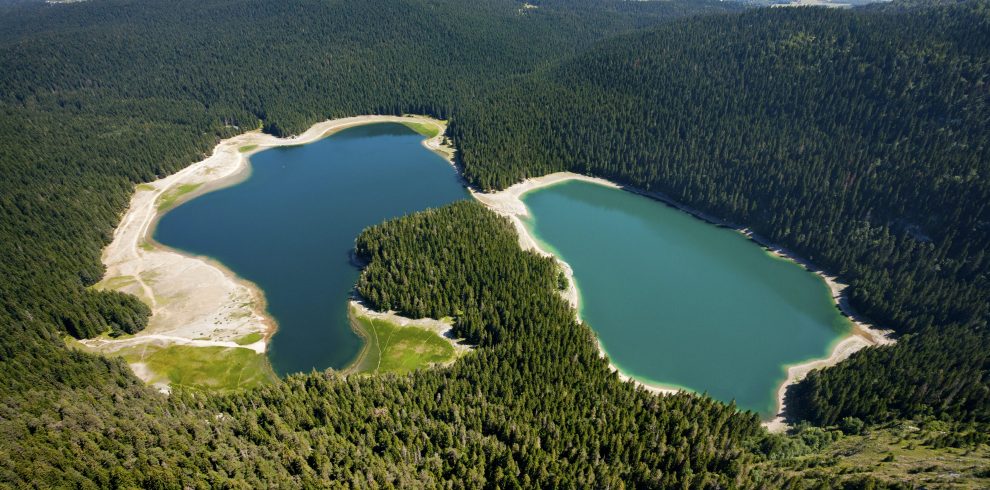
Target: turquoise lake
678,301
290,229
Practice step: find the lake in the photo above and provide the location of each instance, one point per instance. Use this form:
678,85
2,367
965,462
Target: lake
680,302
290,229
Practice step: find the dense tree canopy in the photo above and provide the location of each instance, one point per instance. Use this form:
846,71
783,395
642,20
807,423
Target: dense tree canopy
98,96
857,138
535,407
945,374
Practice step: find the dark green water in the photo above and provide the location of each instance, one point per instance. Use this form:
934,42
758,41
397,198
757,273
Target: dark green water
678,301
290,229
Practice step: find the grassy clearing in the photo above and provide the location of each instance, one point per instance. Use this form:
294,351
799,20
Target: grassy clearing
425,129
250,338
247,148
115,283
392,348
901,452
168,199
146,246
145,187
206,368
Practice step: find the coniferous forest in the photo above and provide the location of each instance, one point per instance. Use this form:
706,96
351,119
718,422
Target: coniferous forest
843,136
858,138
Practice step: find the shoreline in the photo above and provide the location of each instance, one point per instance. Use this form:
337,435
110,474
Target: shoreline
508,202
235,307
196,300
443,329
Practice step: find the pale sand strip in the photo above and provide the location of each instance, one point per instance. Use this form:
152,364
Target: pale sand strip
194,300
509,203
258,346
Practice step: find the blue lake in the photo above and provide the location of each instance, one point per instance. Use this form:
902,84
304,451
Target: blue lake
678,301
290,229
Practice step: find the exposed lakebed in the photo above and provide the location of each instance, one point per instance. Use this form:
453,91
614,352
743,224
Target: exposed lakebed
675,301
290,228
680,302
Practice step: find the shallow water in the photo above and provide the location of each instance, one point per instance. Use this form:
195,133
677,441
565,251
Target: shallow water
290,229
678,301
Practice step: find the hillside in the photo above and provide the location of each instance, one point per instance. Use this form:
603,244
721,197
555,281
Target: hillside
857,138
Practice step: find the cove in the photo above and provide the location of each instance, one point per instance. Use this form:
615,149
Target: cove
680,302
290,227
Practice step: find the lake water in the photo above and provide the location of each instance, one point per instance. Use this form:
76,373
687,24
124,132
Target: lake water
678,301
290,229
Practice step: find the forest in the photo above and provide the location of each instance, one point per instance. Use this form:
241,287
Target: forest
857,138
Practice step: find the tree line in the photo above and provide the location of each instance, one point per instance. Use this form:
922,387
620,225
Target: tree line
856,138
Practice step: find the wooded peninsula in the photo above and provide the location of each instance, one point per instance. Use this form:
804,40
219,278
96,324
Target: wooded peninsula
858,138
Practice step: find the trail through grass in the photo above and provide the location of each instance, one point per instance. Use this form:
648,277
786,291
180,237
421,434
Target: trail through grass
394,348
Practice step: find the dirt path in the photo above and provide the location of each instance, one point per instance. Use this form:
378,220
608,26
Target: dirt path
258,346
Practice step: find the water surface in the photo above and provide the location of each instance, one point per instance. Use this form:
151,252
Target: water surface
290,229
678,301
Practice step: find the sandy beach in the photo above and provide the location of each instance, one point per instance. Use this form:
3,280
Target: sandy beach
509,203
196,301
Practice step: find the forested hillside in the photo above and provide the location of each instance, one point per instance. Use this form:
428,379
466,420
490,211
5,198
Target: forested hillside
102,95
857,138
99,96
507,415
943,373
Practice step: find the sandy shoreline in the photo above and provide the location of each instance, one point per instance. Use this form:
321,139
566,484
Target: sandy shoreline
196,301
509,203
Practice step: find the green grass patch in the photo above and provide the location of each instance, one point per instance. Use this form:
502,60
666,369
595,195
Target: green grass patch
145,187
116,283
247,148
205,368
897,452
108,335
169,198
250,338
146,246
392,348
425,129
